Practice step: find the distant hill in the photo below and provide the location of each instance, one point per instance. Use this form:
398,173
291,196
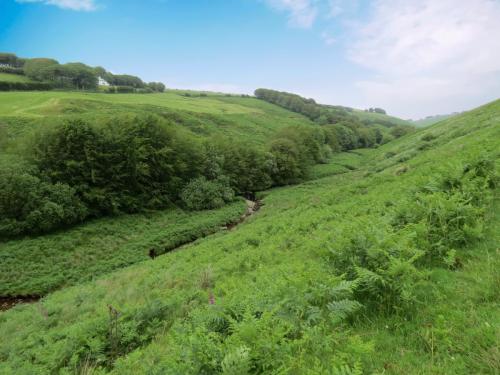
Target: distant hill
431,120
17,73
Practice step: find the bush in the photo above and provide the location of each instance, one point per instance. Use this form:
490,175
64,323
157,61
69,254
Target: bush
11,70
428,137
124,89
31,205
202,194
25,86
380,262
447,212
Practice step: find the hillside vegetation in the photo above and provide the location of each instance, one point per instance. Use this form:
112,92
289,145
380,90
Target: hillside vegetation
70,158
46,73
431,120
387,262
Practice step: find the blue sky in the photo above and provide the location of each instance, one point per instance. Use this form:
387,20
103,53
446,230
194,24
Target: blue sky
413,58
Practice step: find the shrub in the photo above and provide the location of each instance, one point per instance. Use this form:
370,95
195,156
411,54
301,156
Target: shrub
124,89
25,86
381,263
202,194
447,212
428,137
31,205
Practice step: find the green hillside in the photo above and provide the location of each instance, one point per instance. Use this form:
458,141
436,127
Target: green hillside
379,117
385,261
249,119
431,120
6,77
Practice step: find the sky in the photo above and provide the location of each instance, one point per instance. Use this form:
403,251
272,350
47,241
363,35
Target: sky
413,58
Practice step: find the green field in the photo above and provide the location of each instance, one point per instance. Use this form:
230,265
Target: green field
5,77
246,119
337,275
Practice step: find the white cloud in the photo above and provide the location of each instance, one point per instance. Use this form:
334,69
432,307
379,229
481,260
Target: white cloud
429,53
301,13
79,5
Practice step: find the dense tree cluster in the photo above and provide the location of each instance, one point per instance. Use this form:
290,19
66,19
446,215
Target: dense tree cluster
350,131
293,102
128,164
376,110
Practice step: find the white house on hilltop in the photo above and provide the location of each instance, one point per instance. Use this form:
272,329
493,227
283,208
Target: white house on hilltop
103,82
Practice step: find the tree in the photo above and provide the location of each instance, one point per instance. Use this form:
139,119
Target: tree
156,86
288,167
124,80
202,194
80,75
37,69
29,204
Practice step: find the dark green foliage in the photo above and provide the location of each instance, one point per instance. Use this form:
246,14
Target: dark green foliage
39,68
376,110
31,205
156,86
399,131
248,168
202,194
124,80
122,89
349,132
77,75
125,165
289,166
25,86
293,102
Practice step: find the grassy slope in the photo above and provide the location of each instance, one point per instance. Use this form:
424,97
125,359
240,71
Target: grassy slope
36,266
379,116
5,77
432,120
246,119
277,257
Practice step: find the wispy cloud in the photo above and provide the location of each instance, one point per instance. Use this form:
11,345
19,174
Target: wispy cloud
301,13
425,52
78,5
